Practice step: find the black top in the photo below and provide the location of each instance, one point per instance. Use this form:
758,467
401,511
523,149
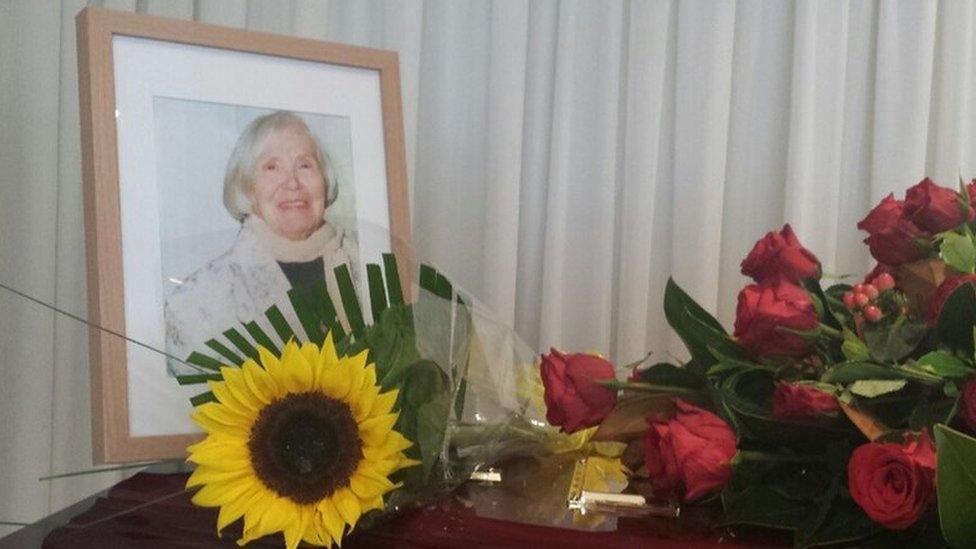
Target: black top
304,274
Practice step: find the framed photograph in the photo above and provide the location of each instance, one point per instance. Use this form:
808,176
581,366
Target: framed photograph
222,167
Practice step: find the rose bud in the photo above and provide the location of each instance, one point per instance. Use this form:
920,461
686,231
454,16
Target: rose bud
971,191
884,215
690,454
897,245
791,401
762,312
861,300
884,282
872,313
574,399
967,406
871,291
891,234
893,483
935,209
942,294
849,300
780,255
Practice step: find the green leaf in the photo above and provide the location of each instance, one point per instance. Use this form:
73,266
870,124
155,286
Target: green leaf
893,342
844,523
393,289
223,351
957,319
928,413
279,323
870,388
849,372
203,398
318,299
195,379
944,364
309,320
664,373
204,361
825,311
428,278
350,302
956,478
377,294
696,327
958,251
731,364
760,505
853,348
260,337
242,344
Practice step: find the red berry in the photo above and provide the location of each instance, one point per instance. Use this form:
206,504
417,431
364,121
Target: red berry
859,288
861,299
871,291
849,300
872,313
884,281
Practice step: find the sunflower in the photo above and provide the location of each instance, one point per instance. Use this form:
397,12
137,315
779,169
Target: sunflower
303,444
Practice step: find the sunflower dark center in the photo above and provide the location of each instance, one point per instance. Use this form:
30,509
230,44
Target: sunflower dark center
305,446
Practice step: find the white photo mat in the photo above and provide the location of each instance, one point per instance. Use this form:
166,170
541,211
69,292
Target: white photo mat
146,69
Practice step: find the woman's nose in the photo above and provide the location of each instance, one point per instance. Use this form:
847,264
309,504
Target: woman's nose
292,181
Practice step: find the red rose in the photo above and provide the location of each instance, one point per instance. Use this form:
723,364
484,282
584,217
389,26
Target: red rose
690,453
967,409
891,234
885,215
780,255
935,209
942,294
574,399
764,309
801,402
971,191
897,244
893,483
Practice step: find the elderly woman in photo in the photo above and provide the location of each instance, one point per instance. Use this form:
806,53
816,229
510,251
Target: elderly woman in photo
277,186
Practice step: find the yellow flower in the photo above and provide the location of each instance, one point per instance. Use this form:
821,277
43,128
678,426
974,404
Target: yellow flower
302,444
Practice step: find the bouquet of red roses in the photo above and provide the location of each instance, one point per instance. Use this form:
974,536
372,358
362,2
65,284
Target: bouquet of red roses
839,413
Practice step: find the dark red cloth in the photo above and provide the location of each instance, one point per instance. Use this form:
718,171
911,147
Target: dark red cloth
126,518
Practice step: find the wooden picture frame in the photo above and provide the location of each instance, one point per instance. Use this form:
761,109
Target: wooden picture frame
105,39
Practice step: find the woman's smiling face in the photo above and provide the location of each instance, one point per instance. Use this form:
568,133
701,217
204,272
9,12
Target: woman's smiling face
289,188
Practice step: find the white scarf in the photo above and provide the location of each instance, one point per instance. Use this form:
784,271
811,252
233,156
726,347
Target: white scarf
325,241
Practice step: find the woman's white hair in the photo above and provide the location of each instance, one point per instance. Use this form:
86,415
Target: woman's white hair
239,177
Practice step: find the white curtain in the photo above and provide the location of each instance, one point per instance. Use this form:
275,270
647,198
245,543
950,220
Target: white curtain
565,158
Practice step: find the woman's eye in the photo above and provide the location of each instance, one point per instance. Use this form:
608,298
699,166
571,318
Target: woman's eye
270,167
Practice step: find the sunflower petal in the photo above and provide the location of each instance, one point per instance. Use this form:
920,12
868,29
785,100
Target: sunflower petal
237,384
328,355
365,402
223,393
335,383
237,505
374,430
384,403
294,529
348,506
259,381
367,486
331,518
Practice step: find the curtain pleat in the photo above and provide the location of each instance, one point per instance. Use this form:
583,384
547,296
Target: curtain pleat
564,158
